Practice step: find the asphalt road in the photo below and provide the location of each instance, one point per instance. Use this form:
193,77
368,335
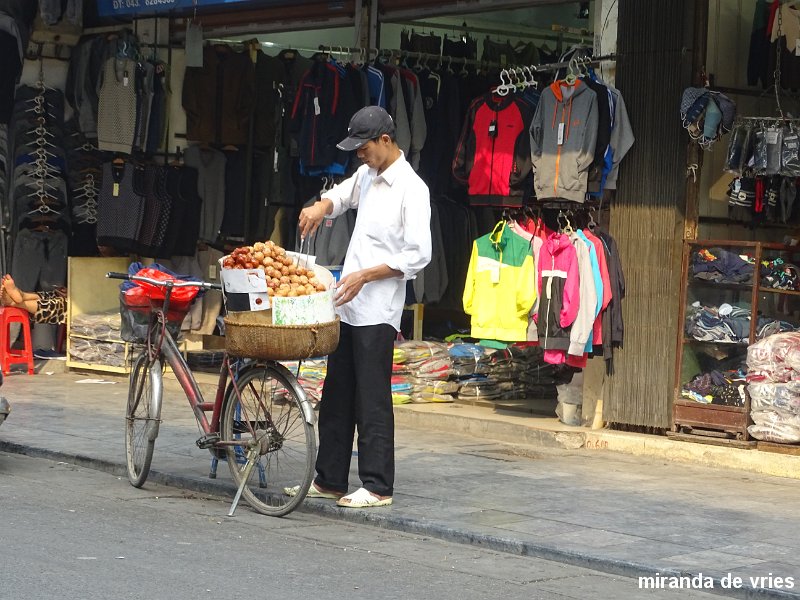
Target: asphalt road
72,533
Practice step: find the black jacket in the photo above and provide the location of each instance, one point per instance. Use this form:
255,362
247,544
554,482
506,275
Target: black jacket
322,110
219,97
613,327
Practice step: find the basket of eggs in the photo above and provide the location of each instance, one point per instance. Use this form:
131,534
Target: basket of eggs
290,301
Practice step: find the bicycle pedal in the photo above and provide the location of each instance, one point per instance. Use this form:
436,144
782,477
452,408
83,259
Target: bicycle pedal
207,441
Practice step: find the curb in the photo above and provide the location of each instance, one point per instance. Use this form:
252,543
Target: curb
501,431
407,525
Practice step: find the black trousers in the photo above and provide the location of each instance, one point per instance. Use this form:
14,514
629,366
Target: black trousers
358,395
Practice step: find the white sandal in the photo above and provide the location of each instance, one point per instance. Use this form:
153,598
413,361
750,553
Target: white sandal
313,492
362,498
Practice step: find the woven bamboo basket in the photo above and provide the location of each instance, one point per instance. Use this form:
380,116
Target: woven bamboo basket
252,335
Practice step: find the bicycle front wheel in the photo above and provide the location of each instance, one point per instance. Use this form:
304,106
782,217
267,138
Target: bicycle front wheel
265,423
142,417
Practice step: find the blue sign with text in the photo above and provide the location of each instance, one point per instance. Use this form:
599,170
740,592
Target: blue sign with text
112,8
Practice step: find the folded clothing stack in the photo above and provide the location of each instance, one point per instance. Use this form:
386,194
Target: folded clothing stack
723,324
311,376
721,266
780,275
716,387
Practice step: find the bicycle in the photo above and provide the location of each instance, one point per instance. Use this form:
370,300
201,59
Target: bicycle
261,420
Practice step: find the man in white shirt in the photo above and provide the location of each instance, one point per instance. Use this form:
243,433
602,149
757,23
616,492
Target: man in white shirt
390,244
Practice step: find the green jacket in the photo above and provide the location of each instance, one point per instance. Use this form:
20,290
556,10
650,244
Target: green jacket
501,285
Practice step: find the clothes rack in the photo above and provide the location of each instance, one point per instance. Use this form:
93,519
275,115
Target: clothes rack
554,33
767,119
35,51
263,44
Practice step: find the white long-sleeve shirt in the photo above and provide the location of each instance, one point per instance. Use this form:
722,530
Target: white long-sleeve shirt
392,228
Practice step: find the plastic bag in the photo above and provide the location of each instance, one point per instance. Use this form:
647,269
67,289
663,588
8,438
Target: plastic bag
775,354
774,139
759,150
181,295
790,153
135,318
736,156
775,426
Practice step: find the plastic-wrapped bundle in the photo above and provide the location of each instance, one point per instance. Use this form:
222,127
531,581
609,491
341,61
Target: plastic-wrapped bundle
472,359
784,396
736,157
775,426
479,388
428,397
790,153
401,385
433,368
469,359
422,385
774,138
759,150
772,357
410,351
401,398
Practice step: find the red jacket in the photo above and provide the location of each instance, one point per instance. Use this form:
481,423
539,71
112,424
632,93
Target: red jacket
493,156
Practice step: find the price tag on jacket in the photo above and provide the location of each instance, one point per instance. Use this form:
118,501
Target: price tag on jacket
115,190
317,109
560,134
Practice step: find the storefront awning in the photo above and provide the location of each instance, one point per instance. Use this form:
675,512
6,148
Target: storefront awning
137,8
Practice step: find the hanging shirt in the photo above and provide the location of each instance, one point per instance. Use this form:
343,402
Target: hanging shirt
392,228
118,106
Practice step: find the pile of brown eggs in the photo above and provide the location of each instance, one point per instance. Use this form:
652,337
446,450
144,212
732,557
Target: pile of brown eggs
284,276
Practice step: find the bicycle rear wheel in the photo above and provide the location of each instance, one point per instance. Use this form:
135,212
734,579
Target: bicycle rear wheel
265,420
142,417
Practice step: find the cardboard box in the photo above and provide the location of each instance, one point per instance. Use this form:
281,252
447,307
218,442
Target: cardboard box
246,289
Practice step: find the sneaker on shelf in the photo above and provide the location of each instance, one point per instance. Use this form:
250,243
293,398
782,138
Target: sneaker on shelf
49,355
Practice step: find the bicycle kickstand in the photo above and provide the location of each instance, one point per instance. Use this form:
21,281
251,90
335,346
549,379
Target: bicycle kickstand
252,455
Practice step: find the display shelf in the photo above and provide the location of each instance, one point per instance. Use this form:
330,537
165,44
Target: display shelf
687,340
721,286
703,419
91,292
779,291
695,357
81,336
75,364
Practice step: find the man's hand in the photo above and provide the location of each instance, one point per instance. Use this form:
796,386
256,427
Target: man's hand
349,286
311,217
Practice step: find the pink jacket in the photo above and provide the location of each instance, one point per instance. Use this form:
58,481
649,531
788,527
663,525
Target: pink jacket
559,290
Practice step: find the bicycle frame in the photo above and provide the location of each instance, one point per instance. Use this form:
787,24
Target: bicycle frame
169,350
161,349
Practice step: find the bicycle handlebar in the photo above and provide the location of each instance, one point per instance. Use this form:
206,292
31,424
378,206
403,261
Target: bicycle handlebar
176,284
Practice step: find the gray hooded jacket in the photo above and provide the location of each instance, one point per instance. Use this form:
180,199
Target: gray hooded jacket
563,138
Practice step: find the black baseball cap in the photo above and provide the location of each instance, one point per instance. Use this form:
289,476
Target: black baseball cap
367,124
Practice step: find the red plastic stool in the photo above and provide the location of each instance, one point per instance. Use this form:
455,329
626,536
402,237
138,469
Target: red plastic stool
8,357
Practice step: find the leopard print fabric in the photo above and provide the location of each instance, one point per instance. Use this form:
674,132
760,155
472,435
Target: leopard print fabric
51,307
